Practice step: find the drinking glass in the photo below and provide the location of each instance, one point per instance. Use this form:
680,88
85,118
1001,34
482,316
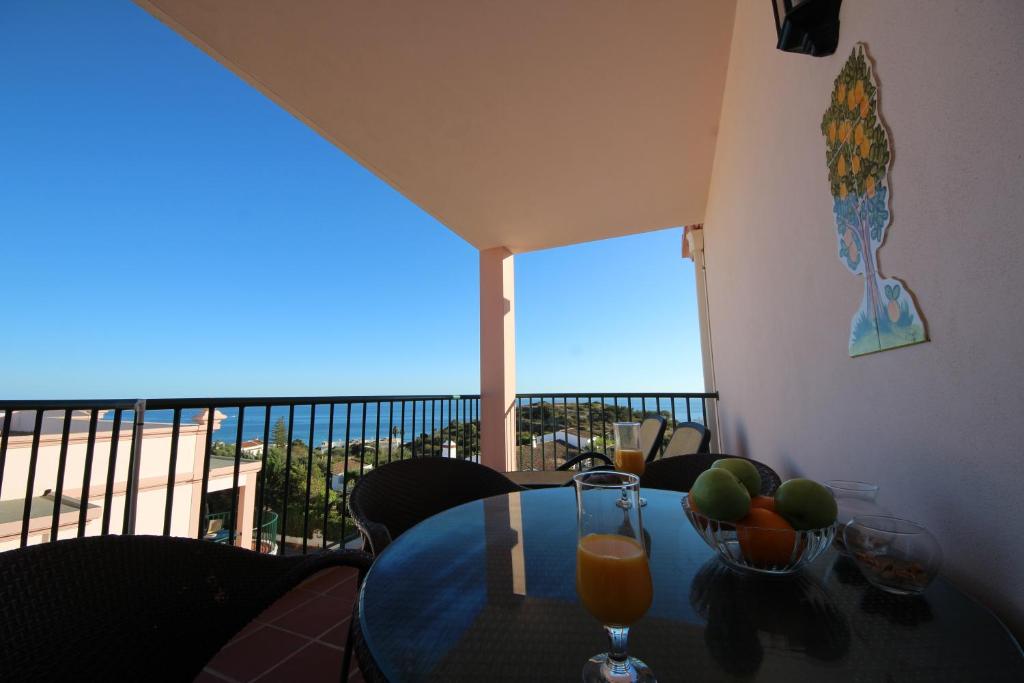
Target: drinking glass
853,499
628,456
613,578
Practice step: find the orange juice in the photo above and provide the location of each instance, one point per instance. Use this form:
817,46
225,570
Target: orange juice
613,579
629,460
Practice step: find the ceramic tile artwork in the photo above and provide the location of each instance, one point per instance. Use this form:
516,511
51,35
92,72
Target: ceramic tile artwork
859,156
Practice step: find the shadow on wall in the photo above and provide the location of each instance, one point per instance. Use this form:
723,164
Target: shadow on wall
787,467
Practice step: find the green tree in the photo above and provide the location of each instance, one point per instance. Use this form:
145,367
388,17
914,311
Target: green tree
280,433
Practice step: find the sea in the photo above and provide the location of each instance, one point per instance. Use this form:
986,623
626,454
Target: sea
368,421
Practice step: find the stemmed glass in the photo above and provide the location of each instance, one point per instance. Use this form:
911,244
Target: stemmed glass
613,578
628,456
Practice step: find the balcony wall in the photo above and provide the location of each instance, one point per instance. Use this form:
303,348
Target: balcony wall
936,425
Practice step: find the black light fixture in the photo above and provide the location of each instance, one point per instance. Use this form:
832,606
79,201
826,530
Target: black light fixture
809,27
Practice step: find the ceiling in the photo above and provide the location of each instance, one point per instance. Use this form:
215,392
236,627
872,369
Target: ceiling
525,124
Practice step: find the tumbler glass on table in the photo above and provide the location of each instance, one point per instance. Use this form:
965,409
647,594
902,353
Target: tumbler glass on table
853,499
613,577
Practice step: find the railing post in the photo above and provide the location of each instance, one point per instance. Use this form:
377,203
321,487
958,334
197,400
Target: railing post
135,465
497,360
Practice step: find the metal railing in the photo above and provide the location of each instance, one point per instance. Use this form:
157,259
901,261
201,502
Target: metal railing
287,449
267,530
84,466
552,427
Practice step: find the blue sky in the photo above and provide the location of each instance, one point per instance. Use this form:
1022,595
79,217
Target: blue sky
168,231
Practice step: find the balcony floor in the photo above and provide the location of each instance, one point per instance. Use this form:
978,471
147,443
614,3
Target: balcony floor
301,637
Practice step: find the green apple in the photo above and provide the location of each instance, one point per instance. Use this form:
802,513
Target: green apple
805,504
744,471
720,495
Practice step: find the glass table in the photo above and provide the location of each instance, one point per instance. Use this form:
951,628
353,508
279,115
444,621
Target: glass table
486,592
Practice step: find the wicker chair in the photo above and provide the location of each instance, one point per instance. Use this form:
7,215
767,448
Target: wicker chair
652,433
678,473
687,438
137,608
395,497
592,456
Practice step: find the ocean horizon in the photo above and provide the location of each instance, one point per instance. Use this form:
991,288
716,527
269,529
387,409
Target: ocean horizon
362,424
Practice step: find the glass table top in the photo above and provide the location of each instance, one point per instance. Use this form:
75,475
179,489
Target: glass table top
486,591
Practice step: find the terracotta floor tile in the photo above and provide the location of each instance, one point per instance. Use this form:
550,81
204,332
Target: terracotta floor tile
316,663
337,635
286,603
245,659
323,581
345,590
316,616
249,629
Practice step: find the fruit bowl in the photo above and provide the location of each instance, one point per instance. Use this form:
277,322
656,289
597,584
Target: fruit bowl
760,550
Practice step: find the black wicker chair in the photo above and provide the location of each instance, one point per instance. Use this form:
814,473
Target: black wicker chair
137,608
687,438
397,496
592,456
678,473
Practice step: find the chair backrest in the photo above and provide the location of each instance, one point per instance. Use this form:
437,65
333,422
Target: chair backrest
136,608
679,472
395,497
687,438
652,433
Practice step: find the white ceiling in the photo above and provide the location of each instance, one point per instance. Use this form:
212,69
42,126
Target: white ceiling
519,123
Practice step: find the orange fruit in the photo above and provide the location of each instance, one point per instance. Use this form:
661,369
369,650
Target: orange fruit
870,182
765,537
842,190
841,166
855,164
865,108
764,502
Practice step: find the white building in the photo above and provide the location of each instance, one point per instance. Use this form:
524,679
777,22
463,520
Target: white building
85,506
570,437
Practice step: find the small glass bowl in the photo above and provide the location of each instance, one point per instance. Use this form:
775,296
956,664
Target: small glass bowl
759,550
853,499
896,555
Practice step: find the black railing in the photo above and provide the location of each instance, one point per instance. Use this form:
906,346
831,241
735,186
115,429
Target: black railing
93,467
290,450
551,428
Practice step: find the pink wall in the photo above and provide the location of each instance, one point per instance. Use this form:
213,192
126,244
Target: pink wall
940,426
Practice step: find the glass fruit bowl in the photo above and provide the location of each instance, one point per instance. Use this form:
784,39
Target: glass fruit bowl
896,555
760,550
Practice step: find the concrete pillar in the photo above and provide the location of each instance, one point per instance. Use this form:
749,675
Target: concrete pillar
693,247
244,513
497,360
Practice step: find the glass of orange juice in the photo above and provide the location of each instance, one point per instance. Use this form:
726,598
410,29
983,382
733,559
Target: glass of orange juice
628,455
613,578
